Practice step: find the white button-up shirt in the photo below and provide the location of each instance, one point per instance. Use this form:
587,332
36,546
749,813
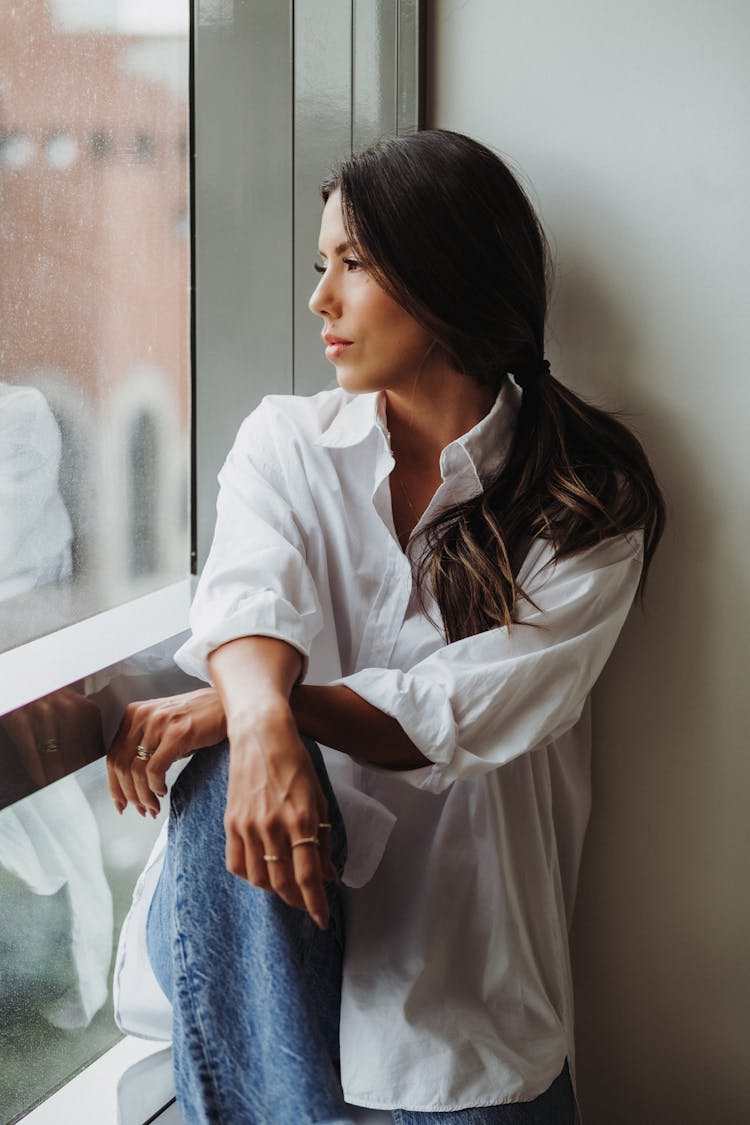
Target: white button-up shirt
462,874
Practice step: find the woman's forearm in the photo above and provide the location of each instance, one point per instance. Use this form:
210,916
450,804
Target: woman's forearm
275,806
254,677
341,719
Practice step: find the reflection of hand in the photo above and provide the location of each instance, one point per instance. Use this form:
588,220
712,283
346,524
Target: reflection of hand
55,735
167,729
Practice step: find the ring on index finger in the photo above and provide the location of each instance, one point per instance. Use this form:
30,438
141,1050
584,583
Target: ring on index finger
305,840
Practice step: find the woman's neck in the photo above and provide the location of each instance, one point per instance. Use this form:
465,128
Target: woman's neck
434,412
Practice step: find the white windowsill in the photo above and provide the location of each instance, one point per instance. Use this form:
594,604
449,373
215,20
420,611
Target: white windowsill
79,650
91,1097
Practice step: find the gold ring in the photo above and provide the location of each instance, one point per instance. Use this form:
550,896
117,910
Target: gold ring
272,858
306,840
144,754
325,824
51,746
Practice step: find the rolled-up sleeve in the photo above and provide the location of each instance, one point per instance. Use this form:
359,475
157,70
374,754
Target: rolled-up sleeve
476,704
256,581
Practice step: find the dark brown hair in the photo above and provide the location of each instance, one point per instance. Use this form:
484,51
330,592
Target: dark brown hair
445,228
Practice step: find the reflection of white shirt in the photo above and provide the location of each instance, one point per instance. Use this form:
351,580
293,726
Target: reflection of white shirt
50,845
35,531
457,984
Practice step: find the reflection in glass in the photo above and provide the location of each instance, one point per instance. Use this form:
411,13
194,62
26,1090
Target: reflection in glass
94,305
68,864
143,467
46,740
35,529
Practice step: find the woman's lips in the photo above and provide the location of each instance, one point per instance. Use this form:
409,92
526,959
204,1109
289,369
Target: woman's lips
333,351
335,345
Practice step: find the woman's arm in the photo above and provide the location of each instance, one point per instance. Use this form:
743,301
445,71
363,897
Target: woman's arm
274,798
478,703
343,720
176,726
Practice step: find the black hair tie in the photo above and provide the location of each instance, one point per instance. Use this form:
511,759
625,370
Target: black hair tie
528,376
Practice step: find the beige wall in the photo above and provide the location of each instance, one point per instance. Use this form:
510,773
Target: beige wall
631,122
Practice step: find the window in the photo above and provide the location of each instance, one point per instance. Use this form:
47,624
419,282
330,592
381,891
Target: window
96,405
94,286
94,471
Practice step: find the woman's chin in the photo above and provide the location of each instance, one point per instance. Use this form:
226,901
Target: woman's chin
350,381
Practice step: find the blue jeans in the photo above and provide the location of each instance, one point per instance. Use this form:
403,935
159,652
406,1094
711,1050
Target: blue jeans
255,986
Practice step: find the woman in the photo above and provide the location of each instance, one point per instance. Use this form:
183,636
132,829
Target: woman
423,570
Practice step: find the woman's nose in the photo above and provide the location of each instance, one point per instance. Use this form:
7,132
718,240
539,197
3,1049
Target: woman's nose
323,301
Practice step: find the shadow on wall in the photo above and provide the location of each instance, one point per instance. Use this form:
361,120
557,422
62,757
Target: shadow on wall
663,916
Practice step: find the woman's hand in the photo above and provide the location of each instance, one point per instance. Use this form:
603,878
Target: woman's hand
276,814
168,729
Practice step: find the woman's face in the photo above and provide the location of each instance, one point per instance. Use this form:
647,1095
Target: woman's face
372,342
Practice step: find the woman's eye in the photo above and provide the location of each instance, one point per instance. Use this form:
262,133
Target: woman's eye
318,268
352,264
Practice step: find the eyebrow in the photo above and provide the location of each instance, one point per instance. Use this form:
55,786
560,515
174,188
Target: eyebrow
342,246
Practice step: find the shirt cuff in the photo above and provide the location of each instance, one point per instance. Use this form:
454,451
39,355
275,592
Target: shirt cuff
265,615
422,709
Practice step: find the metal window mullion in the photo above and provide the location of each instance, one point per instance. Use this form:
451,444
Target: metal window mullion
244,94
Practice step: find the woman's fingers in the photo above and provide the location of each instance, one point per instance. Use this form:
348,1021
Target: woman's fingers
120,760
303,810
274,807
308,876
141,771
155,733
281,878
277,856
235,853
288,865
245,855
116,791
155,752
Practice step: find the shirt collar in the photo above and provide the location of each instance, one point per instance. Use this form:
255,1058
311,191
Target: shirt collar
483,448
355,421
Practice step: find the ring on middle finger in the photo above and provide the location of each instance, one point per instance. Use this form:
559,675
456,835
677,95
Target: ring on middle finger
143,754
305,840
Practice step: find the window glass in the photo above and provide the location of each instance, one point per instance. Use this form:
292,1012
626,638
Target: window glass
68,864
94,307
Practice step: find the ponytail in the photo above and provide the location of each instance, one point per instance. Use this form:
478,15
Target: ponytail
574,476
